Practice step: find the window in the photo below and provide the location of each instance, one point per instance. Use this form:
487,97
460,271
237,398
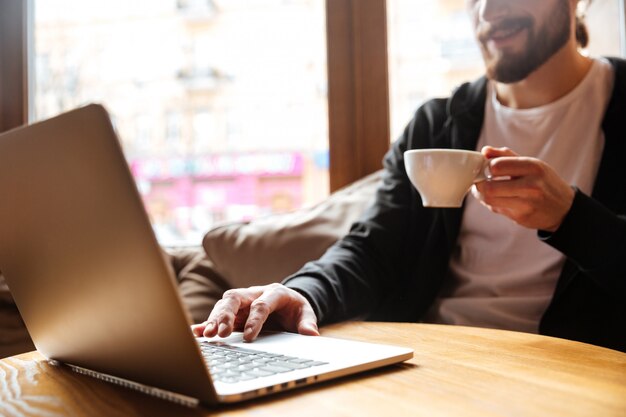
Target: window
606,23
221,116
431,51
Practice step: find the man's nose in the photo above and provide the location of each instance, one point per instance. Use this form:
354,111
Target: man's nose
493,10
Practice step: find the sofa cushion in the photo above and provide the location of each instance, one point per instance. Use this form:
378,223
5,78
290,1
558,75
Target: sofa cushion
271,248
200,287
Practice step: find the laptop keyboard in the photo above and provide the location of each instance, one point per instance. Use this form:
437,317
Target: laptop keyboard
231,364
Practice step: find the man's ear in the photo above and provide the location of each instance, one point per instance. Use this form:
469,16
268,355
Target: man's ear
579,9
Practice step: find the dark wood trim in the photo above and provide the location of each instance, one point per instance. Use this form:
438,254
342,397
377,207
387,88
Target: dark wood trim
13,74
358,88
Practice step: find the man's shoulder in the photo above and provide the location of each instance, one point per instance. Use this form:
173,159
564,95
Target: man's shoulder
467,98
618,63
432,122
613,118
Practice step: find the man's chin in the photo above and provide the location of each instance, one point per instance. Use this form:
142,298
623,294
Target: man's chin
508,71
505,77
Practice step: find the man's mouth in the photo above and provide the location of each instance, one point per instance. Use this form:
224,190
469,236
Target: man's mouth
509,32
504,31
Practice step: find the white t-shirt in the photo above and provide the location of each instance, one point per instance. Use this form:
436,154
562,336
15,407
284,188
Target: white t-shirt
501,275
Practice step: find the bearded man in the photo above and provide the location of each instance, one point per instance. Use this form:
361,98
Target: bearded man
539,248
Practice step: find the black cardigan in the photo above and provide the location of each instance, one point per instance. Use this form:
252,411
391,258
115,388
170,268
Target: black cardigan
393,262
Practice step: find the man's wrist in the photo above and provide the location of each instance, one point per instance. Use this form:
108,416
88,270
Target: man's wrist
589,233
312,289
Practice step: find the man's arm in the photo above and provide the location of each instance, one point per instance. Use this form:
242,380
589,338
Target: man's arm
352,278
354,275
345,282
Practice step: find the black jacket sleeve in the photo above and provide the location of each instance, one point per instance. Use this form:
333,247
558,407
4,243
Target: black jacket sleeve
347,281
356,273
594,238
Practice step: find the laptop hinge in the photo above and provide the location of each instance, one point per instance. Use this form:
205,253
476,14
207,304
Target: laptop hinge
146,389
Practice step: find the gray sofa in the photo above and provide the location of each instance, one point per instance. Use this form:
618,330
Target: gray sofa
236,255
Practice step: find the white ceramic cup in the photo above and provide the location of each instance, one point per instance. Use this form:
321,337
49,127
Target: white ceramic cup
444,176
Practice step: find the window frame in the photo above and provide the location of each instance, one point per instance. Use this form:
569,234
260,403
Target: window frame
13,64
358,88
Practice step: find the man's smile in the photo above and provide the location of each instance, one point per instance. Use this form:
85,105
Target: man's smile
504,34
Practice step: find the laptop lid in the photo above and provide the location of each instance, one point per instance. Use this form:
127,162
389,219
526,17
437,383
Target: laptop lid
81,260
91,281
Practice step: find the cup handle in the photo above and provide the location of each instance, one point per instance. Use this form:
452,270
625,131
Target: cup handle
481,175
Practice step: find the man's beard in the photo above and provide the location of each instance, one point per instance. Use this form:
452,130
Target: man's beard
510,67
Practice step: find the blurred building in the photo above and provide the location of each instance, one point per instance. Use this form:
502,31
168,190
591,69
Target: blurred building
220,105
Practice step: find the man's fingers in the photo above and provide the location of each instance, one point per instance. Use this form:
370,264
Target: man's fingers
523,187
506,203
307,323
198,329
206,329
490,152
508,166
222,319
261,308
250,308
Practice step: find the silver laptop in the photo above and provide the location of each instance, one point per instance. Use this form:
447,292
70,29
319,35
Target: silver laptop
97,294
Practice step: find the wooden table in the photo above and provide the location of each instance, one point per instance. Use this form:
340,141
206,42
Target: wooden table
456,371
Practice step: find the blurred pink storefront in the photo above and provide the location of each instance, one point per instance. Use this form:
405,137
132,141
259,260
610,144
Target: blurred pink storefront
187,194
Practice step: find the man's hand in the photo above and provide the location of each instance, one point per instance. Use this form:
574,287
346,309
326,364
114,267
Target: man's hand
248,309
534,197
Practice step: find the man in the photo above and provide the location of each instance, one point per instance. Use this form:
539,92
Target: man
538,249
